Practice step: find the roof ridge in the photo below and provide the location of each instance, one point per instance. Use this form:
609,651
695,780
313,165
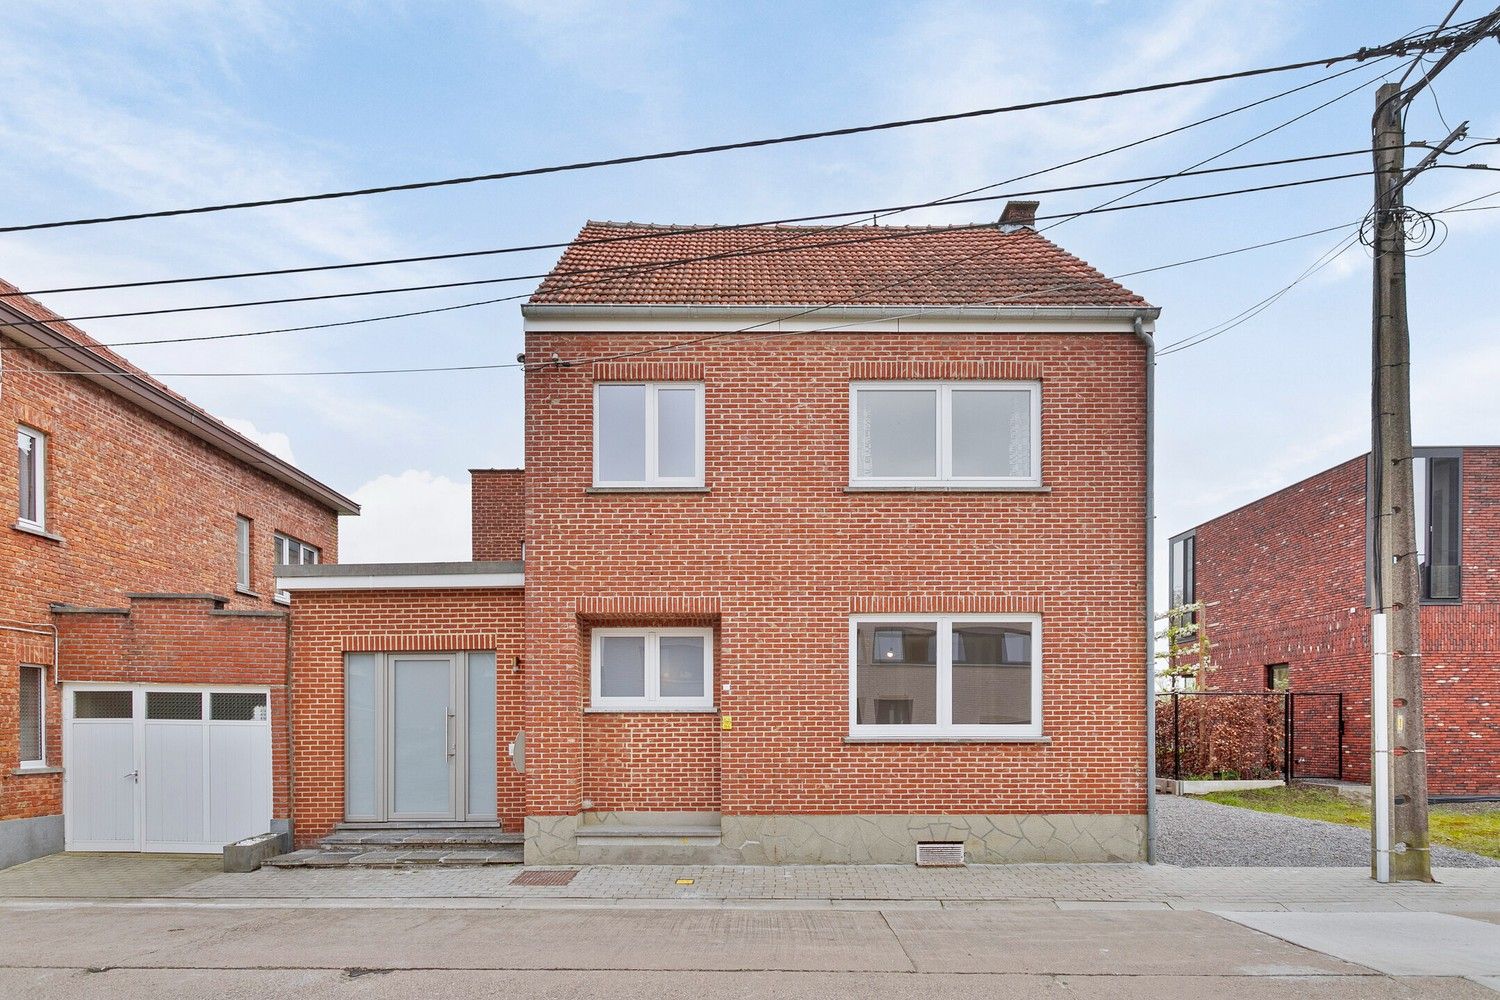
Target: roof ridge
688,228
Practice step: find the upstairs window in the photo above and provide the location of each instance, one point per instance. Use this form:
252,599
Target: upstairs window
945,434
242,553
291,552
1182,575
31,449
1437,489
1278,677
648,434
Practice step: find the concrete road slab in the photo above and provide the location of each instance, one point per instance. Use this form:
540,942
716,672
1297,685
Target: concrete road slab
457,939
1400,944
364,984
1099,942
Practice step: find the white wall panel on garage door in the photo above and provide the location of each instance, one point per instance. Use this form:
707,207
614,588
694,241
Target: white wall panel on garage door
101,760
239,769
174,785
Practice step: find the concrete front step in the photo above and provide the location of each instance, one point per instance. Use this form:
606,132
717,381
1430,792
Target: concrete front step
650,837
378,857
423,838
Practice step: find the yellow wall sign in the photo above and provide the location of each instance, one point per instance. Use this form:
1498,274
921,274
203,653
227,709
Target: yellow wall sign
726,722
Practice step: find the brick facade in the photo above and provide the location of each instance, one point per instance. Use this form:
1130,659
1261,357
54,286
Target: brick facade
776,554
326,625
1288,575
135,505
497,513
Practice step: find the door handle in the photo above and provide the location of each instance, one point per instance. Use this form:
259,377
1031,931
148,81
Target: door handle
133,775
452,735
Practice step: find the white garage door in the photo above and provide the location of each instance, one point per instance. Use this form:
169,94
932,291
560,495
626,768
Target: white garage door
165,769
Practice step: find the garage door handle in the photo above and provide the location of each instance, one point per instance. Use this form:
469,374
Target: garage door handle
133,775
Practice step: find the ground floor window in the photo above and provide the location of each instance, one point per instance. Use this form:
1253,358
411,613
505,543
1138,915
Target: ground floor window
660,669
33,716
913,676
1278,676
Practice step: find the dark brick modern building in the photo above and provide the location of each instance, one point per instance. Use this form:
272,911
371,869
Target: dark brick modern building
1286,577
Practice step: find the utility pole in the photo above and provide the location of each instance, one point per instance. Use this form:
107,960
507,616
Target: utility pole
1400,849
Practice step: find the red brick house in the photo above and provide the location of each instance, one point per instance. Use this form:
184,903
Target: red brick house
143,647
1286,576
794,587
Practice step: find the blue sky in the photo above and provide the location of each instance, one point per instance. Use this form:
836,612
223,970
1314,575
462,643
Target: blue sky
124,105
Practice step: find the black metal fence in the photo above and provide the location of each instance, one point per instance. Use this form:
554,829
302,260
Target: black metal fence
1253,734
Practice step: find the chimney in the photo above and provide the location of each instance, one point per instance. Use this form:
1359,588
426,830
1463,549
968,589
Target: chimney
1018,214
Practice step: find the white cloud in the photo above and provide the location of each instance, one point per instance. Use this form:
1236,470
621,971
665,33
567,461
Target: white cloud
276,442
416,516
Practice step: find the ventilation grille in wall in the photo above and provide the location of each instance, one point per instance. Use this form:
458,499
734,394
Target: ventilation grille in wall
949,855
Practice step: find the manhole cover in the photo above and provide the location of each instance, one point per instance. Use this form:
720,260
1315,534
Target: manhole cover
533,876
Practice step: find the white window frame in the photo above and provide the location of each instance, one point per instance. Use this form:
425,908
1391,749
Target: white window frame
653,701
945,728
39,458
282,596
41,711
651,440
244,532
944,442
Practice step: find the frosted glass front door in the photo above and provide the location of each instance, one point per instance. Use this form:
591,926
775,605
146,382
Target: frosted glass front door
423,735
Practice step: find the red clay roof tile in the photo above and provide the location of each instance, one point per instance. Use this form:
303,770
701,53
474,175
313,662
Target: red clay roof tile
627,263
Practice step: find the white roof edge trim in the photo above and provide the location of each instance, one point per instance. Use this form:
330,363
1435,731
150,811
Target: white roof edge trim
444,581
893,319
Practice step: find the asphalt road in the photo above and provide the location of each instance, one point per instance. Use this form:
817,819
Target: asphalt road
124,951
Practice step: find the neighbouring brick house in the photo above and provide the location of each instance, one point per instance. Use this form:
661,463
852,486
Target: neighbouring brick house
1285,576
794,587
143,648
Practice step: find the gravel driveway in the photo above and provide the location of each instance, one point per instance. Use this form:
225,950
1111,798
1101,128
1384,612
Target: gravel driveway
1195,833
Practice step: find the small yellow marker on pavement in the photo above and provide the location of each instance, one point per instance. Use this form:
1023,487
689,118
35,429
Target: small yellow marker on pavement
686,881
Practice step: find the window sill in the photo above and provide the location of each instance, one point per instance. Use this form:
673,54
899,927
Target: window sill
652,710
243,592
646,489
282,599
26,769
944,488
947,739
31,529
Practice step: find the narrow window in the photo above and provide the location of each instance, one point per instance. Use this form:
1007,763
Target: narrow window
953,676
31,447
1437,489
33,716
648,434
1182,577
291,552
242,553
1278,677
652,669
952,434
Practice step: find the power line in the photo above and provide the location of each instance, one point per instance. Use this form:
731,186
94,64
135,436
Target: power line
1397,47
667,231
794,248
509,298
490,367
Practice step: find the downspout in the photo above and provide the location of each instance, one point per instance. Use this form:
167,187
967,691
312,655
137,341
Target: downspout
291,746
1150,512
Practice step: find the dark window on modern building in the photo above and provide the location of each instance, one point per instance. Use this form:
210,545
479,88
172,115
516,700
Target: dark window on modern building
1278,677
1182,574
1437,487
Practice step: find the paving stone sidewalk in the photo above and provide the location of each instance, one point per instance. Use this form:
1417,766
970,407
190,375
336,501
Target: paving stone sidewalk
1123,886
